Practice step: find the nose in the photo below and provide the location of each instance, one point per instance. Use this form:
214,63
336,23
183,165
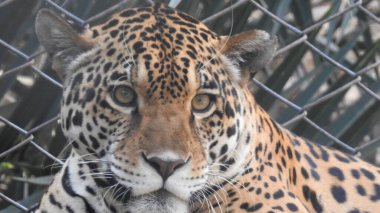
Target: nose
164,167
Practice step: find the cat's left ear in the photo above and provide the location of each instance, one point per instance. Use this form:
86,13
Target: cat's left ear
248,51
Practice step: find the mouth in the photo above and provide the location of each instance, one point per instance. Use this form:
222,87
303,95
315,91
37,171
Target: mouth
158,201
124,194
161,195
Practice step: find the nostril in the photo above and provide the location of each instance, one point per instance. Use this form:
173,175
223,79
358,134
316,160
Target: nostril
151,162
154,164
177,164
164,167
188,159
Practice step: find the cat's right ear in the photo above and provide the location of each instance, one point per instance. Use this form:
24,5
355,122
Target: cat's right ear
60,40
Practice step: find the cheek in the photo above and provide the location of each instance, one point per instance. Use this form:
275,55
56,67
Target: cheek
209,128
73,121
219,134
126,149
92,127
209,131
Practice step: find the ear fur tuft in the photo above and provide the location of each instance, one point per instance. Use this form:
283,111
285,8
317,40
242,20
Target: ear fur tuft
60,40
249,51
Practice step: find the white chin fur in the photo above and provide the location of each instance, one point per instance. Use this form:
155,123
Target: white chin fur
158,202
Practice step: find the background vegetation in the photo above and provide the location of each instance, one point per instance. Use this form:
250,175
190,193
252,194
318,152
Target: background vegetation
332,104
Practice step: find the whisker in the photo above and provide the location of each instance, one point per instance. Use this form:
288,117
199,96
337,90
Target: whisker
229,182
209,206
109,188
219,187
216,198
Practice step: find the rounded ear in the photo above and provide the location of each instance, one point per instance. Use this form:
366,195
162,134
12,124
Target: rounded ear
249,52
60,40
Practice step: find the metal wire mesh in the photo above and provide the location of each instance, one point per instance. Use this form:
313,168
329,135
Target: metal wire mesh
30,62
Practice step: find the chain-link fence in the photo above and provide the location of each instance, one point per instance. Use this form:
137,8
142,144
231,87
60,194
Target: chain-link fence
324,83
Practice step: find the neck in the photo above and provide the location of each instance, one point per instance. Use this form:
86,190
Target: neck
272,149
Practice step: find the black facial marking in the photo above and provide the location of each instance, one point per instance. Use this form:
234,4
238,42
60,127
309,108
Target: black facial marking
292,207
355,173
336,172
360,189
110,24
128,13
54,202
231,131
368,174
78,118
309,194
339,194
310,161
278,194
253,208
376,195
289,152
224,149
107,66
67,186
228,110
341,158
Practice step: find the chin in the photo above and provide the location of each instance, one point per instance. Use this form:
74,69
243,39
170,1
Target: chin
160,201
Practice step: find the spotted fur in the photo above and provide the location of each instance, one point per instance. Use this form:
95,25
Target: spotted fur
157,154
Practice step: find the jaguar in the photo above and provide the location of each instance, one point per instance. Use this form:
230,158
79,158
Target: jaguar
161,117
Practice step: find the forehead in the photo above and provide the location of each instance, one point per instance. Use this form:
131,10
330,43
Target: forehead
167,49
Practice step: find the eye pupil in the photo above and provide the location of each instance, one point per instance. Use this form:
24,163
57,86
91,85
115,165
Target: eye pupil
201,103
124,95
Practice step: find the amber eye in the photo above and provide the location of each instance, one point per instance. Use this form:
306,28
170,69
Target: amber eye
202,102
124,95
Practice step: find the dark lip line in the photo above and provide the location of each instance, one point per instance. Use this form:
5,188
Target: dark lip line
114,180
130,196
